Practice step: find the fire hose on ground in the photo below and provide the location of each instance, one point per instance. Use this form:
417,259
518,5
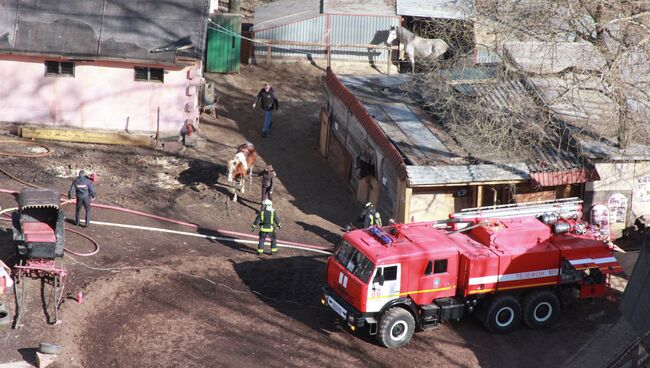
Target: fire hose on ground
234,234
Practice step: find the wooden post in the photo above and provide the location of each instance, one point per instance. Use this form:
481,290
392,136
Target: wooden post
390,53
479,196
268,55
408,192
328,50
158,126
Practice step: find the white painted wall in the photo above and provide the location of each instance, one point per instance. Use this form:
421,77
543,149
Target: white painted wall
100,95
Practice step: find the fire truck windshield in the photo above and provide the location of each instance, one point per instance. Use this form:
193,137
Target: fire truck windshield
354,261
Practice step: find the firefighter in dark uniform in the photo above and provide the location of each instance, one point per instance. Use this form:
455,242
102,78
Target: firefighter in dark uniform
82,188
368,216
268,220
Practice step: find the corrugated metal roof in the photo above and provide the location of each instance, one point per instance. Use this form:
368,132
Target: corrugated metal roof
335,86
401,119
366,7
123,29
462,174
283,12
555,178
554,155
448,9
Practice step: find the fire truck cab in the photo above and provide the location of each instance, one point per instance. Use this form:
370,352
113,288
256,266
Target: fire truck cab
401,278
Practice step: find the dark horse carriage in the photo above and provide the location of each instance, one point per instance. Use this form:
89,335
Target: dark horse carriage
39,233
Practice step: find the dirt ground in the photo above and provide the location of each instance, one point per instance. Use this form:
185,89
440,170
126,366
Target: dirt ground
162,300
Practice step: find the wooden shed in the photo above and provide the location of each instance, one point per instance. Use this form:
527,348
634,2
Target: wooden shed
393,153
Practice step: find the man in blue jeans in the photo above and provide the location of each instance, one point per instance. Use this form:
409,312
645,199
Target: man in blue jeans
268,102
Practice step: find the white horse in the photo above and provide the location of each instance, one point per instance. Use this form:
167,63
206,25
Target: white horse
415,45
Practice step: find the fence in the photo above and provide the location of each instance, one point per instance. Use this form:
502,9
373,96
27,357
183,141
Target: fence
327,47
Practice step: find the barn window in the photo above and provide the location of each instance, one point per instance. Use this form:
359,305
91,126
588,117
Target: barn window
145,74
59,68
440,266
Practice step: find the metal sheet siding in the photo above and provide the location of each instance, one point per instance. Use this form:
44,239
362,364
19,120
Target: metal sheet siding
365,7
223,50
359,29
308,30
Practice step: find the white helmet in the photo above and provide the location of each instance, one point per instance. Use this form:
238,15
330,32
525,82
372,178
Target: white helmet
267,203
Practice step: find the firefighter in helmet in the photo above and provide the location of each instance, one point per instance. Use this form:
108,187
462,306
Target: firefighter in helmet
368,216
268,220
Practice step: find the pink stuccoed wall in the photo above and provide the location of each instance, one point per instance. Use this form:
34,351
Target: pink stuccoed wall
101,95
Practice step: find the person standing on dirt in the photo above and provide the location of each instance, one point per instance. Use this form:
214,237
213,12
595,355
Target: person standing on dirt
268,102
268,220
267,183
82,188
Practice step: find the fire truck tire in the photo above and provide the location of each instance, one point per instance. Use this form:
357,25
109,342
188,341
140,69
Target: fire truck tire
503,315
541,309
396,328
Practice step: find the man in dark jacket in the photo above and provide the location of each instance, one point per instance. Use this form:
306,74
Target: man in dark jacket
267,183
83,189
268,220
268,102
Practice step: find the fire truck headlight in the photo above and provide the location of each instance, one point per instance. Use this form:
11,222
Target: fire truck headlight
352,328
322,301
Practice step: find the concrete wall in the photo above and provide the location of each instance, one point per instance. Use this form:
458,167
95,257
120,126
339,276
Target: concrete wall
100,95
631,180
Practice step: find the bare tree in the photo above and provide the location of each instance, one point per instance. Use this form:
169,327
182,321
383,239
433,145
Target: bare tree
586,61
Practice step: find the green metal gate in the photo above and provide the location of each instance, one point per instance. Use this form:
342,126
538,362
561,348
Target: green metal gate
224,44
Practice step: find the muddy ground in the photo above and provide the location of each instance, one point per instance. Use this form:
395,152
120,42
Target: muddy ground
161,300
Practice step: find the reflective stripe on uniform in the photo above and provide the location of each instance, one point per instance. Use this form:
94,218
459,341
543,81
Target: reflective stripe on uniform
269,228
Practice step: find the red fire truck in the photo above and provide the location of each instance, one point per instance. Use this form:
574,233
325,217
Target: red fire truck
505,264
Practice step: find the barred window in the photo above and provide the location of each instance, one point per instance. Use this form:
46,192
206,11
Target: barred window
59,68
144,74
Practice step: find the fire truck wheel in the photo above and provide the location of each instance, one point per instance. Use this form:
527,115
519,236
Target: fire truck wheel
503,314
396,328
541,308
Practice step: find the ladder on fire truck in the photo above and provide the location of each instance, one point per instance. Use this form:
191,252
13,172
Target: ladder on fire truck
562,208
